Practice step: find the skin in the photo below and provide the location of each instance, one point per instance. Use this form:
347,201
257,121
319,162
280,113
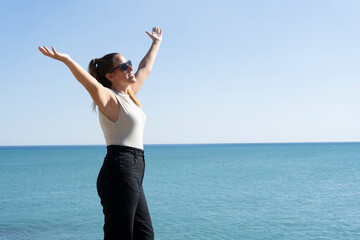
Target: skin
122,81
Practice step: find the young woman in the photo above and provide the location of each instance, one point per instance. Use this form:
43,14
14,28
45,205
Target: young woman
113,86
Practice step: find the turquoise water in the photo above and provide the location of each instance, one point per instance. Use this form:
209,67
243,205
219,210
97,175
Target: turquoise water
235,191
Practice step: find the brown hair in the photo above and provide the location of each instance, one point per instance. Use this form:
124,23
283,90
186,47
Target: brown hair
98,67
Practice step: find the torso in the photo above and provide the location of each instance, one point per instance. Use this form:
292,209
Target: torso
127,127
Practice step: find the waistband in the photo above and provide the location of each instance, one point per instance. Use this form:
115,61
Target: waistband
121,148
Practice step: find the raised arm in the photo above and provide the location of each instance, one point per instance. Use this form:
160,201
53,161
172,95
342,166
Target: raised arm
100,95
147,63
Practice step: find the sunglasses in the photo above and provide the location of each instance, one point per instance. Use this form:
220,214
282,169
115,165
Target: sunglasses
123,66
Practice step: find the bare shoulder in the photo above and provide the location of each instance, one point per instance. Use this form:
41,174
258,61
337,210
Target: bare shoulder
111,94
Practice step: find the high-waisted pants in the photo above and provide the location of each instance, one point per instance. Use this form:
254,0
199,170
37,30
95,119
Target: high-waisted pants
120,189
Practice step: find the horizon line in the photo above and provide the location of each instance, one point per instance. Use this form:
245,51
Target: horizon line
162,144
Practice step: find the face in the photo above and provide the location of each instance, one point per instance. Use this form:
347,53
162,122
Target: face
122,77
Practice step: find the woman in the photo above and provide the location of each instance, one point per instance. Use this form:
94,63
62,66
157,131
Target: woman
113,86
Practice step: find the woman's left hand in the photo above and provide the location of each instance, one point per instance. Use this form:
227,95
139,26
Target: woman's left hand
156,34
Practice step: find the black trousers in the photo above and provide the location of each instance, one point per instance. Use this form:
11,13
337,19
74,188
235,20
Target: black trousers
120,189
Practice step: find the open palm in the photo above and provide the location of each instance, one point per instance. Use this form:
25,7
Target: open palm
53,54
156,34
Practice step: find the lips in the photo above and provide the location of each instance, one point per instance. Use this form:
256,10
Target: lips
131,77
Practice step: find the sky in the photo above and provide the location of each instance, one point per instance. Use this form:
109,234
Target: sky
226,72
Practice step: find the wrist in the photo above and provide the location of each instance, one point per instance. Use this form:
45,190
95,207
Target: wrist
156,42
67,60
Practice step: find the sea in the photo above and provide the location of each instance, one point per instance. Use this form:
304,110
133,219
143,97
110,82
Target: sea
290,191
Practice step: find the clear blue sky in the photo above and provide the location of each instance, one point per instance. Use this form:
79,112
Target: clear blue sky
227,71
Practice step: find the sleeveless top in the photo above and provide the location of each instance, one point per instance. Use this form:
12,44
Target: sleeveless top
128,130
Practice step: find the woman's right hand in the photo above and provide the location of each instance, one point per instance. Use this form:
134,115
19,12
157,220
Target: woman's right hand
54,54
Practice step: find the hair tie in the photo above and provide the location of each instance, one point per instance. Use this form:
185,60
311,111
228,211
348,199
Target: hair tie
96,60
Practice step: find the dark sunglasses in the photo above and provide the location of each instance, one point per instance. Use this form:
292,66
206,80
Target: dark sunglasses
123,66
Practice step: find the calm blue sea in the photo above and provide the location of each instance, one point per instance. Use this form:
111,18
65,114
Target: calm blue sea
216,191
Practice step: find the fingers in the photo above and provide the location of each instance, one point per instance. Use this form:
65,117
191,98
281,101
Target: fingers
44,50
54,50
156,34
47,50
156,30
148,33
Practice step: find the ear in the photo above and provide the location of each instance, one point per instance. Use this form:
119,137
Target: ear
109,76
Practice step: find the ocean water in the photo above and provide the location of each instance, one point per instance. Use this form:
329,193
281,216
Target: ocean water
215,191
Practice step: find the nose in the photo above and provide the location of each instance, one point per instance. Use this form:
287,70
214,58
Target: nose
130,68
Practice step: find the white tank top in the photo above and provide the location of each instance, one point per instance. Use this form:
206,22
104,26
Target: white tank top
128,130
